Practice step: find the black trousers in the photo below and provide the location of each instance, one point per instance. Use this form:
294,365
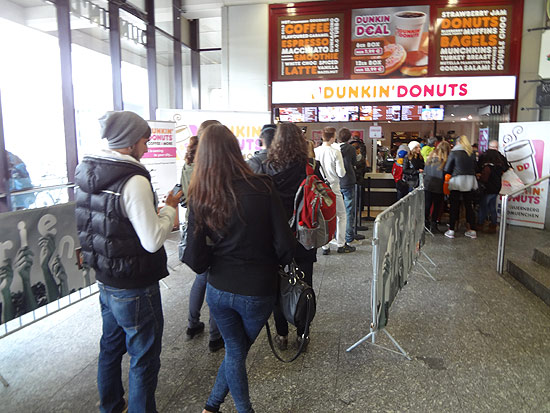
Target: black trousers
432,199
455,199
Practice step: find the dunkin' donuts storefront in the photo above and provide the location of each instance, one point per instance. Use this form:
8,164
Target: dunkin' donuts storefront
412,71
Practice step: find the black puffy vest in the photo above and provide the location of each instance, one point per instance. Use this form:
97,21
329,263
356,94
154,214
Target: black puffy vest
109,242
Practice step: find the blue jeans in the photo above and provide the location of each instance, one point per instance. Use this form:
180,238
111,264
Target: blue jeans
488,209
240,319
196,299
133,322
349,202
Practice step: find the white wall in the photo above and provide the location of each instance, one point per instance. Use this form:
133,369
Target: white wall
245,57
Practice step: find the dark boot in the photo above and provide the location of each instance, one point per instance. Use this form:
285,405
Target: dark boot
434,229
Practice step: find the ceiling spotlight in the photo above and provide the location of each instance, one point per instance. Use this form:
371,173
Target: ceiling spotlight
452,114
463,118
469,116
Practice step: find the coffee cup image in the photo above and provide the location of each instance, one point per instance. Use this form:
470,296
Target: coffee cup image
409,25
521,156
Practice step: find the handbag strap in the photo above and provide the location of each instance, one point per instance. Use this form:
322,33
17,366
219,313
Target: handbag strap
302,343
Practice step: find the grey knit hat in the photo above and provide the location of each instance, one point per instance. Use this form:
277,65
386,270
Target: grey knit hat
123,129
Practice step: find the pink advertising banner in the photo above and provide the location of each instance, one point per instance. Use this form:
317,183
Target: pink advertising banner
526,146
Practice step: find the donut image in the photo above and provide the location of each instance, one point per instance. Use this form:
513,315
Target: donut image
395,56
414,70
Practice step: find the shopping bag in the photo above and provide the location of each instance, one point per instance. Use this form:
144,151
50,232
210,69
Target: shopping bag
510,182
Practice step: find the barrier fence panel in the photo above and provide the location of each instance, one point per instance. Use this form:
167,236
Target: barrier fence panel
397,241
39,272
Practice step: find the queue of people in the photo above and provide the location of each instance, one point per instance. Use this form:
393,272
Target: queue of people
455,176
237,238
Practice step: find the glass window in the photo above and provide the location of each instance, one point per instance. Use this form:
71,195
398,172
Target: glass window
135,86
32,106
140,4
163,16
165,71
92,74
186,77
210,33
211,80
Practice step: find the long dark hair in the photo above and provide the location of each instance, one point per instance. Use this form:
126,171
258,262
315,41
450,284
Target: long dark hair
288,146
217,163
191,150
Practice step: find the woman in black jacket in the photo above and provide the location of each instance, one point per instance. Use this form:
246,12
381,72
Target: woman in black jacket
286,164
413,165
434,177
238,231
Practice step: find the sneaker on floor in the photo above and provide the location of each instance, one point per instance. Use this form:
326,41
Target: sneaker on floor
359,237
471,234
326,251
345,249
355,243
450,233
299,340
193,331
215,345
281,342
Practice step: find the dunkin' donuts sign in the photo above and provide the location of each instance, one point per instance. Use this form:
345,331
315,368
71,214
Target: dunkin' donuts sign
395,90
526,147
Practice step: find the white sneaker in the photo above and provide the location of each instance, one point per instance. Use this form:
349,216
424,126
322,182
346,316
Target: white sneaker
471,234
355,243
450,233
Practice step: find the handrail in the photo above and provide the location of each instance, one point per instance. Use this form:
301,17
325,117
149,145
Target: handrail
36,189
503,218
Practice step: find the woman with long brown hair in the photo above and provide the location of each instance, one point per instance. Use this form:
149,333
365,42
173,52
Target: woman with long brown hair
434,177
238,231
286,164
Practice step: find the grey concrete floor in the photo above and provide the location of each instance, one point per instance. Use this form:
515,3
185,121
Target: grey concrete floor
479,342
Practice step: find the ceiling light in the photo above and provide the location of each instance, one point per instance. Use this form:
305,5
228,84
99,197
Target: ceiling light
452,114
290,5
463,118
469,116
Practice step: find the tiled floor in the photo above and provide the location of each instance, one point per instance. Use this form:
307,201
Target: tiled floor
478,342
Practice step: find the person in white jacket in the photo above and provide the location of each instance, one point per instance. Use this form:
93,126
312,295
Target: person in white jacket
333,167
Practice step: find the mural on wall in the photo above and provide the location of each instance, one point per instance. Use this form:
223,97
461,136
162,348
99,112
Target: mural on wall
38,259
390,41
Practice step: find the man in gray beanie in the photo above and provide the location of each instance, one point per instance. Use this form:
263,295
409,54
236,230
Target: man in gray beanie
122,239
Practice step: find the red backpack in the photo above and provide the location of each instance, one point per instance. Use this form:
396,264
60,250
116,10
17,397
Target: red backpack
314,217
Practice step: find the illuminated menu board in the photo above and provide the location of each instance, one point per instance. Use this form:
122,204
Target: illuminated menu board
380,113
298,114
338,113
411,112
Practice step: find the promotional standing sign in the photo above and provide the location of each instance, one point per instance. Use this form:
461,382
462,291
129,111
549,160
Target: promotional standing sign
390,41
160,159
310,47
526,146
473,40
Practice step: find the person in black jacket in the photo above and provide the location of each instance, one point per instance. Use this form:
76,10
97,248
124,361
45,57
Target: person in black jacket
461,165
238,231
266,137
286,164
434,177
347,183
122,239
413,165
490,167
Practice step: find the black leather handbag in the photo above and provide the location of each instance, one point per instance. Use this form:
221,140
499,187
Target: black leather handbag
297,302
